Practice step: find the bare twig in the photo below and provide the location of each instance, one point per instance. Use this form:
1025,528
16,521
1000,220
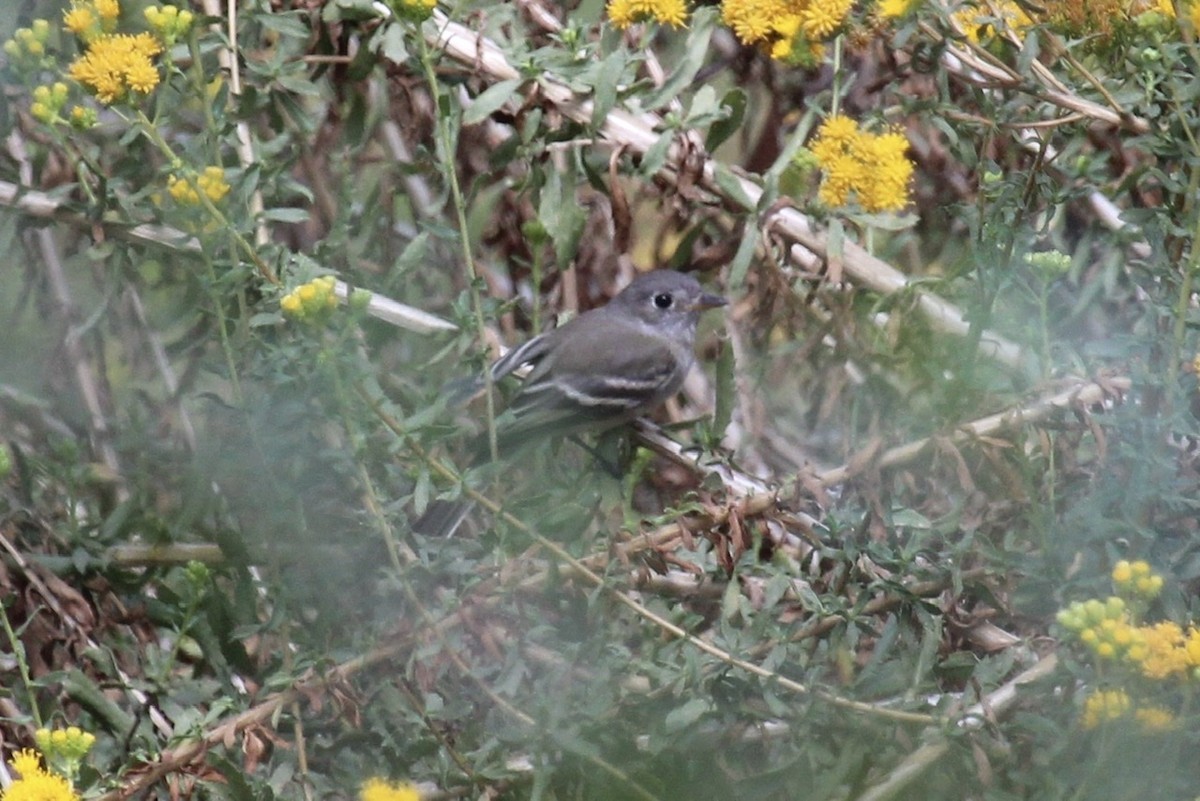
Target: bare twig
997,702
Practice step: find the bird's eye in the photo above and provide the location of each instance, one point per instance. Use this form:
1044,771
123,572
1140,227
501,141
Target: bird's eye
663,300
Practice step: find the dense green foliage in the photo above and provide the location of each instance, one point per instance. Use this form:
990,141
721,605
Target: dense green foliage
209,468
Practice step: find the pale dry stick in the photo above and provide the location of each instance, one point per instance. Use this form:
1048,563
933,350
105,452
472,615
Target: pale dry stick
86,376
962,62
1079,394
995,703
228,60
60,288
163,364
44,206
140,555
637,132
990,71
753,496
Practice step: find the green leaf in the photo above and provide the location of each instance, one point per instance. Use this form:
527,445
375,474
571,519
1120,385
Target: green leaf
393,45
608,78
726,394
490,100
702,26
286,215
286,23
731,185
684,716
722,129
656,154
562,216
740,264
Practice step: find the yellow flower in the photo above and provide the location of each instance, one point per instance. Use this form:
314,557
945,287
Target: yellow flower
414,10
26,762
1166,651
312,301
1136,579
1122,572
976,21
624,13
843,174
1105,705
755,21
168,22
872,166
1194,16
79,20
91,19
115,63
212,183
290,303
889,170
83,117
108,10
1154,718
819,19
36,784
380,790
838,132
894,9
788,30
40,786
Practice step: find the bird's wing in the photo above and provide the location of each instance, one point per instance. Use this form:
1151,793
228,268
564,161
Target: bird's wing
531,352
586,376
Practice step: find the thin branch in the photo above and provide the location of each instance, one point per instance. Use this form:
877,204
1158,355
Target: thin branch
997,702
1085,394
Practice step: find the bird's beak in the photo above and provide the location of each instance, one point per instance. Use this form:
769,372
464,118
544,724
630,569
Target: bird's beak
707,301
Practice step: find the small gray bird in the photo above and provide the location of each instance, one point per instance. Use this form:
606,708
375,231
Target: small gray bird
599,370
608,365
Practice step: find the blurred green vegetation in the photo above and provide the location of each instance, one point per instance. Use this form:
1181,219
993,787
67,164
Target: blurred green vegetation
206,514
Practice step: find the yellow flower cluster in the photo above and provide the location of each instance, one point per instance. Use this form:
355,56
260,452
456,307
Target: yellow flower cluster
27,48
976,19
381,790
48,102
36,783
312,301
117,63
790,30
1108,628
624,13
873,167
71,743
168,22
1169,650
1105,628
64,749
1136,580
91,19
211,182
1105,706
